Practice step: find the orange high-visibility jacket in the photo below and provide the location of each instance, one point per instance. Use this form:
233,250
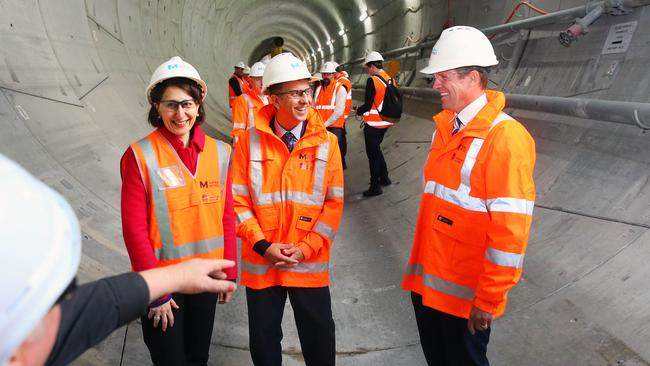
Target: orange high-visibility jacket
325,102
372,117
343,79
475,213
231,92
185,211
287,197
243,111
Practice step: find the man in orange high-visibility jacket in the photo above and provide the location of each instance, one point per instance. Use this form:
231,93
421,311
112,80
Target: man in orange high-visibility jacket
375,127
246,105
476,209
330,102
236,84
288,197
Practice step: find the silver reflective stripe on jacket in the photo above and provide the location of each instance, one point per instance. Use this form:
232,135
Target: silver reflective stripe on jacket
440,284
505,259
251,111
302,267
223,158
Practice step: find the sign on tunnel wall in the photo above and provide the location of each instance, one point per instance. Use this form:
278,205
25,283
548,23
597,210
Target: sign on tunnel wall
619,37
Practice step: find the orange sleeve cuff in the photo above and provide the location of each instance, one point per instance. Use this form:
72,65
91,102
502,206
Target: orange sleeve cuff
257,236
306,250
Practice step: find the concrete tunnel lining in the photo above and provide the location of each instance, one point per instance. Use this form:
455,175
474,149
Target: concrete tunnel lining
72,76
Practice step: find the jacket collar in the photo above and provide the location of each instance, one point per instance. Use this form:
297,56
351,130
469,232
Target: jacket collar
479,126
315,132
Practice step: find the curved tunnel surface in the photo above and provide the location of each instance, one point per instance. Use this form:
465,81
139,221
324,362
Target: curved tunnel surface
72,79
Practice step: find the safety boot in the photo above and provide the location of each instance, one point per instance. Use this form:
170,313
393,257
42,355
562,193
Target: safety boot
374,190
385,181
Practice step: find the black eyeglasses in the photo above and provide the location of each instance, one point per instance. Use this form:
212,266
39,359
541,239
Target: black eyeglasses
172,105
296,94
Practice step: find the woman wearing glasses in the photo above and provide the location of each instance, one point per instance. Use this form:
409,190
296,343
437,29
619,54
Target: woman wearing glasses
177,205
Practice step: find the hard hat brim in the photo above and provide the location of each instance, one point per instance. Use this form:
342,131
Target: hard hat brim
202,85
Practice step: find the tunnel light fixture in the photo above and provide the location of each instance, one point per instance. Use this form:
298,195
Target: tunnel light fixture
313,54
341,32
363,16
320,49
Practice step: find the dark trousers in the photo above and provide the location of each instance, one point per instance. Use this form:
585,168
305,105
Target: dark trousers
312,308
188,341
374,137
343,142
445,338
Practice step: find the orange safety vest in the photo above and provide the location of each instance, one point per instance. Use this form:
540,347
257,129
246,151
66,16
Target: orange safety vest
343,79
372,117
231,92
185,212
325,102
475,214
287,197
243,111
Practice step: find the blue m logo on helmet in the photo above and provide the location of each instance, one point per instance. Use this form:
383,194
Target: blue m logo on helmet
174,66
295,65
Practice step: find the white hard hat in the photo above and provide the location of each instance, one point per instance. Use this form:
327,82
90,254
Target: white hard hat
373,56
329,67
247,70
240,65
282,68
316,77
460,46
175,67
257,70
42,247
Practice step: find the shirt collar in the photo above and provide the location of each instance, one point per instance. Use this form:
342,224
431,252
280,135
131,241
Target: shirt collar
296,131
471,110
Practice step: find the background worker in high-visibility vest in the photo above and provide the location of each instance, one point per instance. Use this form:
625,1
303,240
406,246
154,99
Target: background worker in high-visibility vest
177,205
246,78
343,78
330,102
236,82
476,209
45,317
246,105
288,192
375,127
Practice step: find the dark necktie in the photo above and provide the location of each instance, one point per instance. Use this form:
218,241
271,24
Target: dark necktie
289,140
457,125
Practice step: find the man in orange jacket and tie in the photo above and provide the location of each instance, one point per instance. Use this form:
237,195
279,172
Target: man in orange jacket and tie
476,209
288,197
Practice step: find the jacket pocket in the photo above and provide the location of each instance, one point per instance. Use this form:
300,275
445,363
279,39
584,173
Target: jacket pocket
467,233
306,218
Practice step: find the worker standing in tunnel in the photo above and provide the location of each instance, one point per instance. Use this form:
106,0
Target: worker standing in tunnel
236,83
343,78
375,126
246,105
177,205
246,77
288,192
330,102
476,209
